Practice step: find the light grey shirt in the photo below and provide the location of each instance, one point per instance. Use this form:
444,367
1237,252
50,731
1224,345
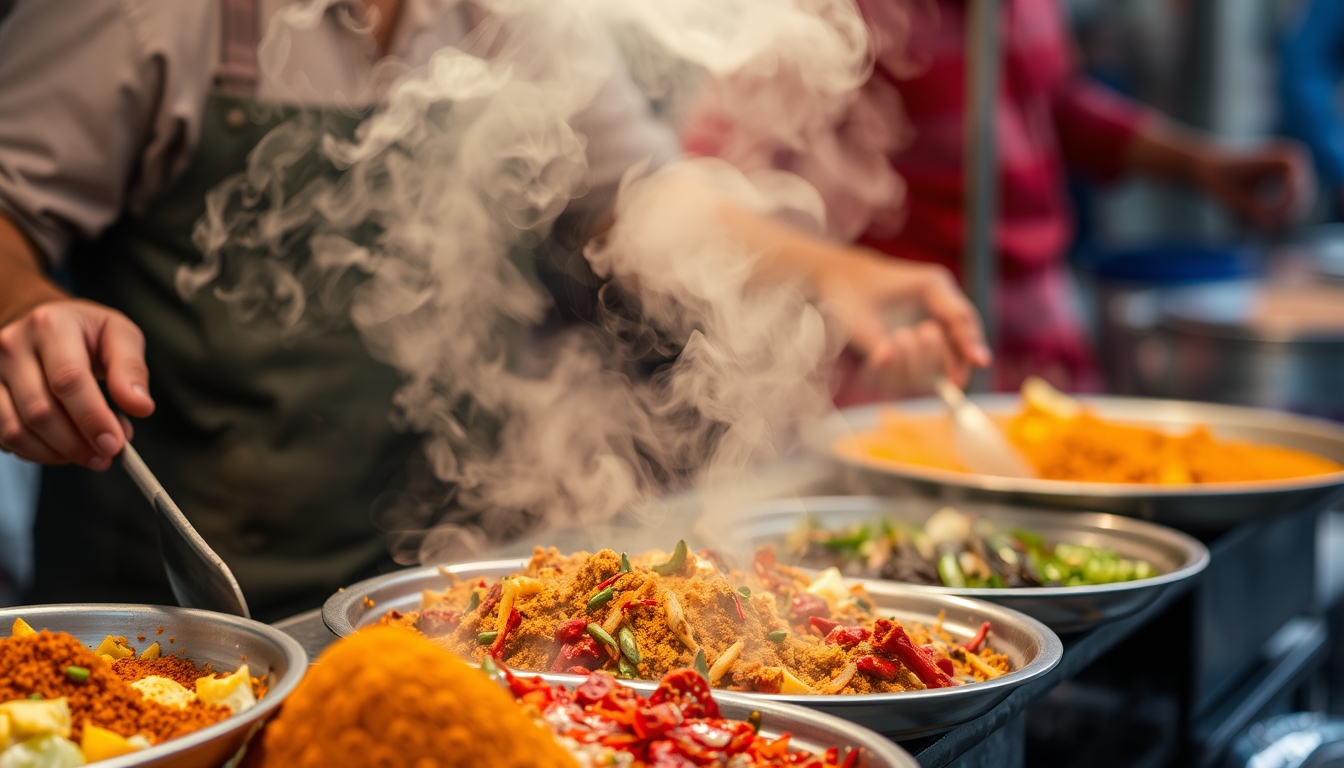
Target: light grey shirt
101,101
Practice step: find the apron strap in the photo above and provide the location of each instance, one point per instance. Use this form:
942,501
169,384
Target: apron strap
238,71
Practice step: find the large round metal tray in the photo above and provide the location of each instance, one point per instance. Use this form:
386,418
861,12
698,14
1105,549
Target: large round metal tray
1063,609
1208,507
1031,647
216,638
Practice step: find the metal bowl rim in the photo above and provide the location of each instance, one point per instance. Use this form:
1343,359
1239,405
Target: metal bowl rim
1317,427
275,695
1051,649
1196,555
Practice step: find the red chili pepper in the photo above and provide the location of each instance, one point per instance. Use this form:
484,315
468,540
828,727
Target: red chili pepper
595,688
439,621
974,645
824,626
847,637
627,606
491,599
737,601
584,653
831,755
804,606
570,630
852,759
521,686
890,639
608,582
878,667
515,618
946,665
688,691
664,754
655,720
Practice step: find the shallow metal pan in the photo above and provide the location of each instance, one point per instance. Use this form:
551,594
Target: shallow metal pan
216,638
1030,646
1210,507
1064,609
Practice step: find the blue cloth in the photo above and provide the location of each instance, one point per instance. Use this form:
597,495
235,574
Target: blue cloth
1311,67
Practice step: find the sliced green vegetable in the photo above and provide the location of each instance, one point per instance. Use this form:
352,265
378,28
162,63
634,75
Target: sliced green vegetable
625,563
700,665
486,638
629,647
674,563
489,667
949,571
744,591
601,598
626,669
35,697
78,674
754,720
600,635
473,601
777,636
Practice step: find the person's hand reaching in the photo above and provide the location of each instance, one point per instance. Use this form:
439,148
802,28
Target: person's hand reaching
863,288
1269,185
52,410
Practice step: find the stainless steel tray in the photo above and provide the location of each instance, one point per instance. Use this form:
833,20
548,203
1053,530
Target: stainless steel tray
216,638
1211,507
1030,646
1063,609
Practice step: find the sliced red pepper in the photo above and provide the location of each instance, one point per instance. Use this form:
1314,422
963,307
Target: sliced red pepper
703,739
824,626
847,637
974,645
625,607
655,720
688,691
595,688
737,601
439,621
852,759
510,624
665,754
804,607
521,686
831,756
608,582
882,669
491,599
946,665
890,639
571,630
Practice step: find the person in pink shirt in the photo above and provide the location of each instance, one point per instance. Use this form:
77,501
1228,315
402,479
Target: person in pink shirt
1050,118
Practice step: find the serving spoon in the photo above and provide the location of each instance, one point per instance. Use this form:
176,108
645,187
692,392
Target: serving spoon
978,443
199,578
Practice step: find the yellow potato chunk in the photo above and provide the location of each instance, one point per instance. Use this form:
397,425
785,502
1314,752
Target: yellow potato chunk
234,691
21,629
28,718
169,693
102,744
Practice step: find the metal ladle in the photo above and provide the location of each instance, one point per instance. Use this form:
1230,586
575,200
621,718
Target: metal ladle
198,577
978,442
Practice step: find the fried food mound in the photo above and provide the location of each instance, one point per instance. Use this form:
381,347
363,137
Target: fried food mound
386,697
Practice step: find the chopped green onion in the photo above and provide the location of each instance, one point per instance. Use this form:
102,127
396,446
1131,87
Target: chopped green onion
745,592
949,571
628,645
700,665
777,636
864,604
625,563
600,635
78,674
486,638
674,563
601,598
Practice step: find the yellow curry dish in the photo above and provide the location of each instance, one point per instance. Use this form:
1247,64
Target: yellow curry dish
1063,439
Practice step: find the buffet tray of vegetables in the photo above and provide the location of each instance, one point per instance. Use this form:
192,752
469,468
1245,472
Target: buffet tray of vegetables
904,665
1070,570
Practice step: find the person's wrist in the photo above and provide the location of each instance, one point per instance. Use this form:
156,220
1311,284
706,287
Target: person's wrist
31,299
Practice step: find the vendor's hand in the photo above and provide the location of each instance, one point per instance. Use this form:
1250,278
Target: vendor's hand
51,358
1270,185
863,287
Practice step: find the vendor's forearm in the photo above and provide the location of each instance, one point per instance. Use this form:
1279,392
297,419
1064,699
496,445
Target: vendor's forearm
1163,150
23,280
784,253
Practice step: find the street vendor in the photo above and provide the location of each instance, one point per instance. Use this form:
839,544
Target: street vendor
1049,118
115,121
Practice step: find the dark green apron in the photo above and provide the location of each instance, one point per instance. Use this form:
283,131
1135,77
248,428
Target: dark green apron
275,449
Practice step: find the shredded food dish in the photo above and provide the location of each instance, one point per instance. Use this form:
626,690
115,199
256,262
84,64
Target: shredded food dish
62,704
953,549
1063,439
772,630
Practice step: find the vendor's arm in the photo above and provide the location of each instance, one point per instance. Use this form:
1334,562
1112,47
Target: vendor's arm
860,286
95,113
1310,70
51,346
1268,183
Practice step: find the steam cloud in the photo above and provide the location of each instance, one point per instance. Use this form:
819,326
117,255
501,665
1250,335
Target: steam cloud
468,162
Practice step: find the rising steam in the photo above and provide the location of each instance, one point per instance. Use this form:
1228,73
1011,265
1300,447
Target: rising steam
468,163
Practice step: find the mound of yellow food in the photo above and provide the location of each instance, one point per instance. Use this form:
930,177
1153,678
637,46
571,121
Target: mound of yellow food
387,697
